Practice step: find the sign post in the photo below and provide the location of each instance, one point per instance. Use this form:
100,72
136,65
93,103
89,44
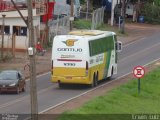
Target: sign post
139,84
139,72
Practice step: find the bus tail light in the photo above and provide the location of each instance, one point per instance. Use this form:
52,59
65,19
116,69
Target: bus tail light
52,68
86,67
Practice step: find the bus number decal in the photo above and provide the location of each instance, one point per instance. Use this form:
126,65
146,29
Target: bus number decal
69,64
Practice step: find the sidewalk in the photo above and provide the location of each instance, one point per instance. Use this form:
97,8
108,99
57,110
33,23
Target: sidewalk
21,62
137,31
43,63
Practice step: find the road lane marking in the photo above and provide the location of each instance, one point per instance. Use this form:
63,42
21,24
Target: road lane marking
38,76
93,89
139,52
133,42
23,98
125,45
44,90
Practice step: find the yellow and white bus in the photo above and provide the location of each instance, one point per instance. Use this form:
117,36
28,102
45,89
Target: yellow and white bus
84,57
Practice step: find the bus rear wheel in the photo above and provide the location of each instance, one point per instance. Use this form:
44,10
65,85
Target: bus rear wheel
94,81
110,78
61,85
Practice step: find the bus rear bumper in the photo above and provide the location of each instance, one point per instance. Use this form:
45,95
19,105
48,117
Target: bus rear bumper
70,80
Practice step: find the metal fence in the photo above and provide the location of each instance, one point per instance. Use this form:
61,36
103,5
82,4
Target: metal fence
97,17
7,46
61,25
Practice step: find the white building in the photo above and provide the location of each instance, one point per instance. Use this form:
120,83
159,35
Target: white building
14,24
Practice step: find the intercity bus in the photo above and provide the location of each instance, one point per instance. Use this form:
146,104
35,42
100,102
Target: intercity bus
84,57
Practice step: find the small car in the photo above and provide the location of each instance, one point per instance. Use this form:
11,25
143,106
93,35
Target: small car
12,81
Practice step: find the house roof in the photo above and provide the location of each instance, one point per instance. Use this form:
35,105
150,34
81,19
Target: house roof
15,14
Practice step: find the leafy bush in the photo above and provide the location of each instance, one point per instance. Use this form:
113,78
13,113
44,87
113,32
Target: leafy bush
82,2
151,13
157,2
82,24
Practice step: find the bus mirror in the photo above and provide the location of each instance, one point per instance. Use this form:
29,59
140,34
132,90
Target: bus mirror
119,46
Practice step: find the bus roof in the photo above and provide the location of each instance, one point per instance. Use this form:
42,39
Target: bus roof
86,34
89,32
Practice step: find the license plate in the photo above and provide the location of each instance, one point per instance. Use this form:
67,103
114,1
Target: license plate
68,77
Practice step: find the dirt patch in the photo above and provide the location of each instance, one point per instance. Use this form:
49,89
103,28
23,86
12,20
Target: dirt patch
21,62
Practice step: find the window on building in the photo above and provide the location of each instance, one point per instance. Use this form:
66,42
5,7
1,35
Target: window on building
23,31
6,29
20,31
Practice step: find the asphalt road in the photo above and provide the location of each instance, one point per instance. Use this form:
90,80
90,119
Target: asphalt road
140,52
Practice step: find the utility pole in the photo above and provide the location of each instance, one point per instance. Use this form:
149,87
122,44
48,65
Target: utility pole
123,16
87,9
71,16
33,86
138,11
47,27
3,24
112,12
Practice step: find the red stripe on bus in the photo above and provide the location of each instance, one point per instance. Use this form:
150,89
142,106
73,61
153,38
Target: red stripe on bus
69,60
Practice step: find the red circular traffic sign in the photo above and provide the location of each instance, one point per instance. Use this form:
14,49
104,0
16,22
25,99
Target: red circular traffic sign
139,71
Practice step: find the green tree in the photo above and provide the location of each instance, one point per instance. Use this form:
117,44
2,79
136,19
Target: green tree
82,2
152,12
157,2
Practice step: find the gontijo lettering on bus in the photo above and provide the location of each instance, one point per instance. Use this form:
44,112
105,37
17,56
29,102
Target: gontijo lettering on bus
69,50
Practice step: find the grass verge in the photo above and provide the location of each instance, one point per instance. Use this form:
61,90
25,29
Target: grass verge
86,24
122,101
82,24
